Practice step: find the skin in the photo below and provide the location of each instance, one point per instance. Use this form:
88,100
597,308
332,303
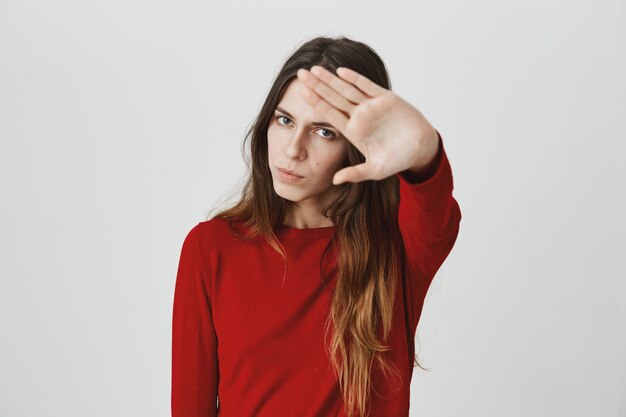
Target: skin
313,151
392,134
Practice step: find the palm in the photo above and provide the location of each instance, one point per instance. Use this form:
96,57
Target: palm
386,129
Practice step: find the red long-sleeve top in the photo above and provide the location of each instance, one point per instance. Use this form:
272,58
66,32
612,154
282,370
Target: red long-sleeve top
247,344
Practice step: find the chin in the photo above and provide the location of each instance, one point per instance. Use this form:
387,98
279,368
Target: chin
287,196
292,195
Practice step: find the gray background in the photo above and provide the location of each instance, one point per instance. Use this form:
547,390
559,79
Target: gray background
121,125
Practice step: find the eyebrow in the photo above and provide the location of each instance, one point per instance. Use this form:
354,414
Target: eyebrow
280,109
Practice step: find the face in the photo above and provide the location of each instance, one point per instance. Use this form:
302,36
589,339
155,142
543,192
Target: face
297,141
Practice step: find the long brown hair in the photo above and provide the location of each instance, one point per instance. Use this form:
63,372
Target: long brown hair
367,237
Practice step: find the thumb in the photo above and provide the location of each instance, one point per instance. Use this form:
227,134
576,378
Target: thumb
354,173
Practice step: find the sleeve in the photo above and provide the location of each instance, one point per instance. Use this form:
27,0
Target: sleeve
194,342
429,220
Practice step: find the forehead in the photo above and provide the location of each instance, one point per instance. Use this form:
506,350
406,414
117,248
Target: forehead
293,102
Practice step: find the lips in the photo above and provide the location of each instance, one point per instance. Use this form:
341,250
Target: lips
288,171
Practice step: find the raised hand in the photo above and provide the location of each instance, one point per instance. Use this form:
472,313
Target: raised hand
391,133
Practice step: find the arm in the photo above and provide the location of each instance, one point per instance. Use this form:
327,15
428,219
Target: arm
426,167
194,342
429,220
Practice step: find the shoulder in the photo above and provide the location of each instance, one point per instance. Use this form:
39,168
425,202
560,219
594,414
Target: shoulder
204,232
217,234
209,233
202,242
215,226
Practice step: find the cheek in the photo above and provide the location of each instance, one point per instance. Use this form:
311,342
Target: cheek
333,161
272,144
275,139
326,169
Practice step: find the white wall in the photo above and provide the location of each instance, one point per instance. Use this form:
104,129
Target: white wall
121,124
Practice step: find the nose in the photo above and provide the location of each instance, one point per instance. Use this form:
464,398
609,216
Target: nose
296,146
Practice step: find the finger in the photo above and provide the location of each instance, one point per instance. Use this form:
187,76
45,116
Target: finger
323,90
355,173
346,89
334,116
365,84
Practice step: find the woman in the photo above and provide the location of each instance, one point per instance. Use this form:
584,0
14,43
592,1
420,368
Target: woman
303,299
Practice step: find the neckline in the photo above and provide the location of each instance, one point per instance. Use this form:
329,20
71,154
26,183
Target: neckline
310,233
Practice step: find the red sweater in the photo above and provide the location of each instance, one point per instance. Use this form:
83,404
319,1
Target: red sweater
239,333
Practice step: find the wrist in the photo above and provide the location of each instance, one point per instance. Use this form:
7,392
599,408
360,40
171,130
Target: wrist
429,156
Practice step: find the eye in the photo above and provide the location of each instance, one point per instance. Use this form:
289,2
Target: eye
332,136
282,117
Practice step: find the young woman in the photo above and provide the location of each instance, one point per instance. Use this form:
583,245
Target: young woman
303,299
